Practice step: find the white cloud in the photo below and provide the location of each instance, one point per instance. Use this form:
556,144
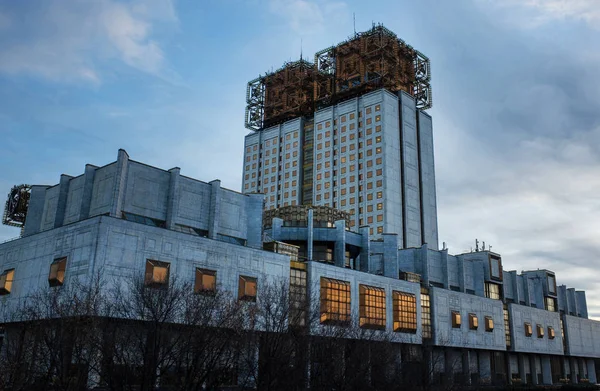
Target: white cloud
67,41
305,16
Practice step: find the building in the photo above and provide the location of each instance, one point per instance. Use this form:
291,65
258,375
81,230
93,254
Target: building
473,321
349,132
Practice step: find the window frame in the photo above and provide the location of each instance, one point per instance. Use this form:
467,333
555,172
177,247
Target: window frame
149,277
372,301
243,283
58,270
473,321
4,281
199,286
456,319
405,312
343,292
528,329
489,323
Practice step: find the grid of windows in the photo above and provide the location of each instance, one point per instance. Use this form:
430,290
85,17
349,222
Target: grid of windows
426,313
405,312
298,299
507,326
335,301
493,291
372,307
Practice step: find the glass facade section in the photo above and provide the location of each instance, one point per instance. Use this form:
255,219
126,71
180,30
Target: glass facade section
493,291
405,312
335,301
298,298
371,307
426,313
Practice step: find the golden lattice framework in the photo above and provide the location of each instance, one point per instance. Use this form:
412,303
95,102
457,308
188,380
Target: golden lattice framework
367,61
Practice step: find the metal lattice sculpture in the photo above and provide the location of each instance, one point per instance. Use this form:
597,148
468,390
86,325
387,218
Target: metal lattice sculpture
15,211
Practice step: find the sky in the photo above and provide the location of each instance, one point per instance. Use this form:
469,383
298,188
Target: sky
516,103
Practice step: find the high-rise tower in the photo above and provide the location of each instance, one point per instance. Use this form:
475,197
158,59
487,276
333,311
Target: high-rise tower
349,132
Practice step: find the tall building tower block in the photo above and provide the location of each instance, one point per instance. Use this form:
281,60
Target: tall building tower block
348,131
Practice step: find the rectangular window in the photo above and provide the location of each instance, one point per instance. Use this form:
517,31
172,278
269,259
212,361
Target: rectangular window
146,220
298,292
473,322
372,307
247,288
206,281
507,326
157,273
56,277
426,313
551,333
550,304
6,281
456,319
540,331
405,312
492,291
489,323
528,329
335,301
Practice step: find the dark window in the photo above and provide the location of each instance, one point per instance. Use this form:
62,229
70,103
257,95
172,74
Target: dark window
144,220
231,239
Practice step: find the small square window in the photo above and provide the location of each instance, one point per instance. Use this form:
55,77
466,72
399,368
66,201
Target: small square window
551,333
528,329
206,281
157,273
6,281
247,288
540,331
473,322
489,323
56,277
456,320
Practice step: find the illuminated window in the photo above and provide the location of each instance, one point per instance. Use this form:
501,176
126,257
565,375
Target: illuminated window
6,281
380,230
247,288
528,329
157,273
489,323
507,326
379,194
540,331
551,333
405,312
335,301
456,319
550,304
473,322
206,280
492,291
425,313
56,277
372,307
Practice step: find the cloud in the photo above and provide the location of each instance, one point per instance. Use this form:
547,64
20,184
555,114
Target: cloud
71,41
308,17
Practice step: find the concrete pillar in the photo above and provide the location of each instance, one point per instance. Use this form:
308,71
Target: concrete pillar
35,212
276,226
485,366
365,249
424,264
61,204
173,197
591,370
466,365
88,191
118,196
311,226
339,252
533,369
573,370
546,370
444,256
215,209
390,255
254,228
522,373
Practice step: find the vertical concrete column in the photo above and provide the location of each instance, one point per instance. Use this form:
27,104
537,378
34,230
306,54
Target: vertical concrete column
173,197
566,367
522,374
254,211
215,209
310,226
424,264
61,205
591,370
533,369
546,370
276,226
485,365
365,249
339,255
35,212
88,191
573,370
390,255
444,256
509,372
466,365
461,273
118,196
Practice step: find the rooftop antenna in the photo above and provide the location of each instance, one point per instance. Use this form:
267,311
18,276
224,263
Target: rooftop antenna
483,246
300,48
476,245
354,21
